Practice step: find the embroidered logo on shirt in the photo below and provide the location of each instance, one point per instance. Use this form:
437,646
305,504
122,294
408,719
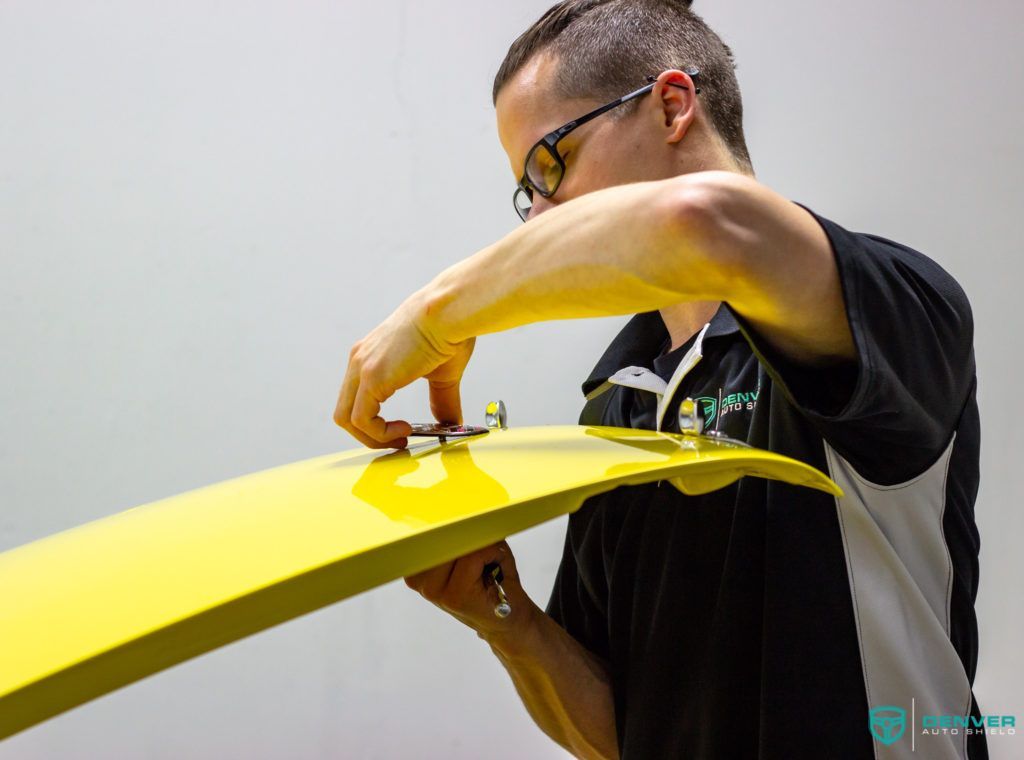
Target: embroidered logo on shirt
718,407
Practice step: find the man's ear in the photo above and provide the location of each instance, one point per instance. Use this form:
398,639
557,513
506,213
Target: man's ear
675,92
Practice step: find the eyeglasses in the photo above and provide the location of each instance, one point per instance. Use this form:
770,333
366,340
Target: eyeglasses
544,167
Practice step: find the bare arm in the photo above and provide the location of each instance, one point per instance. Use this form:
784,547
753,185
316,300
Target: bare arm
565,688
710,236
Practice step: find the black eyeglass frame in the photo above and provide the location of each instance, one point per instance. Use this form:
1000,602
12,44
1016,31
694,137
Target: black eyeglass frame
549,142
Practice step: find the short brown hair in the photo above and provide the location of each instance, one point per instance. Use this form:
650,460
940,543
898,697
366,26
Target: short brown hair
606,48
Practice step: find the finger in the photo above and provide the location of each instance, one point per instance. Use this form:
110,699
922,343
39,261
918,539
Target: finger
446,401
468,571
346,396
366,418
343,412
431,583
343,416
372,443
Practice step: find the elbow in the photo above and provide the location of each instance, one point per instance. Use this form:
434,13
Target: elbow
706,238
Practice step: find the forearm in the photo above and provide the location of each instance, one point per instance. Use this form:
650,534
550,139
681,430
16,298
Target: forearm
621,250
706,236
565,688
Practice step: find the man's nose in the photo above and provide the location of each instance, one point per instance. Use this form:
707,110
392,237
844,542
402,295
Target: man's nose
540,205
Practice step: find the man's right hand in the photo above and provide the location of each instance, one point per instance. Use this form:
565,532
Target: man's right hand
401,349
459,588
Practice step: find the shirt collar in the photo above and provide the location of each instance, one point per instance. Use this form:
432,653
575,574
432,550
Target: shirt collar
639,342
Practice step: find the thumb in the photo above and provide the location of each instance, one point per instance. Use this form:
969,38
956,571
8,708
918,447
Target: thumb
446,401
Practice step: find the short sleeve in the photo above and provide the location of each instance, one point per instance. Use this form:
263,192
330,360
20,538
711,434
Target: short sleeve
575,603
892,411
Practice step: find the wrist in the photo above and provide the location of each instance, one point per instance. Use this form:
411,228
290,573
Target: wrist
459,303
513,641
434,311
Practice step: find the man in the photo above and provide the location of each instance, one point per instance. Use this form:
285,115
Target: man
761,620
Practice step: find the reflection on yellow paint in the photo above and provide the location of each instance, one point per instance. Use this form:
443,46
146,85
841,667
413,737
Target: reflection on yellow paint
711,463
463,490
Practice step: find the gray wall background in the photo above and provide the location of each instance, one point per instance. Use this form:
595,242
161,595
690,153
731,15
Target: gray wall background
204,204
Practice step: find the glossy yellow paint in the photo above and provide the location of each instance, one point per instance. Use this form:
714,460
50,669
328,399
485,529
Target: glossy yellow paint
93,608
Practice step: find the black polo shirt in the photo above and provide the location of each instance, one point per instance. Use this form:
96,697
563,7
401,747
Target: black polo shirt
763,619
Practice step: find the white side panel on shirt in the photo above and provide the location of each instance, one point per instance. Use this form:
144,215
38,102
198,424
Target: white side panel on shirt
900,580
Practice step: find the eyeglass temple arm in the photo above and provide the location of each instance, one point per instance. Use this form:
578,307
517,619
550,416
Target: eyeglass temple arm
693,76
565,129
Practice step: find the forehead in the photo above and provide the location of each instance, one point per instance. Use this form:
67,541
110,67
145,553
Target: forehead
527,108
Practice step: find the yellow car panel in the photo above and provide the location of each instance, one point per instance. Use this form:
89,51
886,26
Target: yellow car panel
90,609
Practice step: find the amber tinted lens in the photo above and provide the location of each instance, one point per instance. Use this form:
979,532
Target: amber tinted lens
523,203
543,170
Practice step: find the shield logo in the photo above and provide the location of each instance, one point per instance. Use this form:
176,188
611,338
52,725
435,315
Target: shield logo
708,408
888,723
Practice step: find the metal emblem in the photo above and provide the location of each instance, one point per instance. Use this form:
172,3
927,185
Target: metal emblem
442,432
496,416
691,421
